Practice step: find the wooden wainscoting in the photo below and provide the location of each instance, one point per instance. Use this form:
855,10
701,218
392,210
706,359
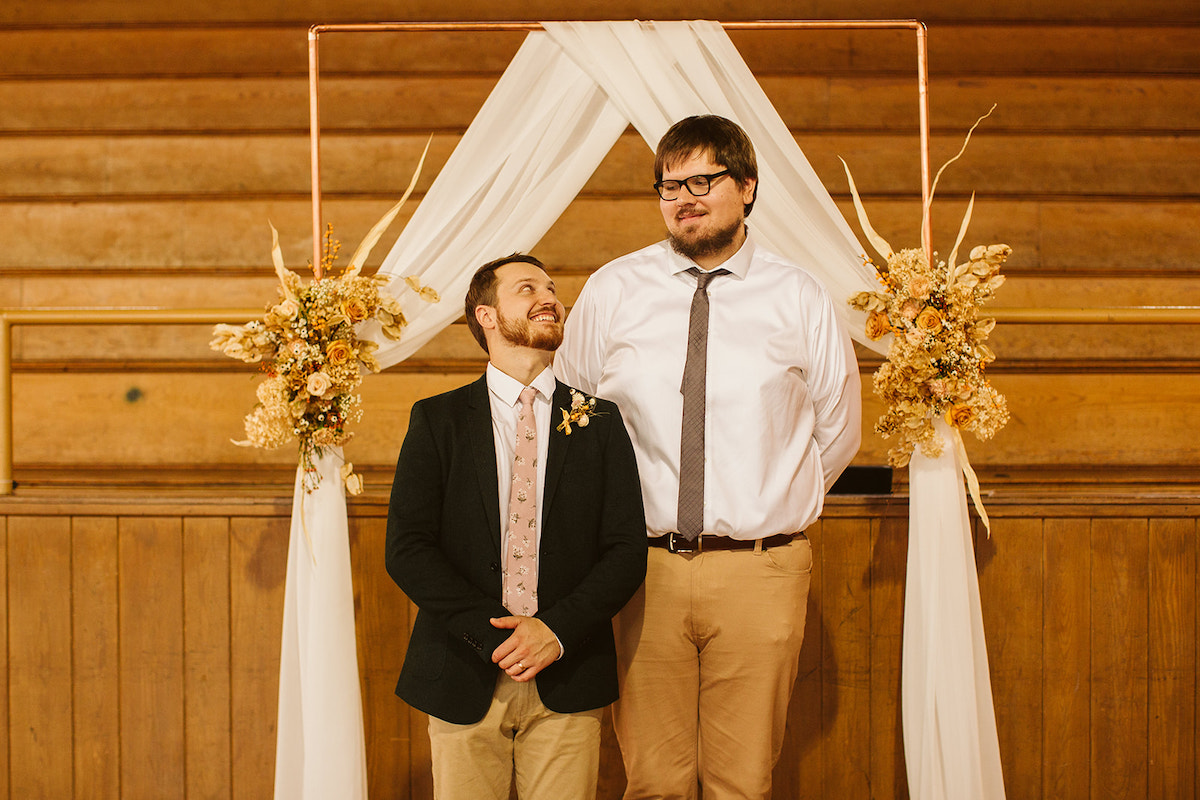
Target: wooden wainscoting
142,636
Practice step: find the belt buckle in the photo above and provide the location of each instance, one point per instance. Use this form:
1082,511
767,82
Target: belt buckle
677,544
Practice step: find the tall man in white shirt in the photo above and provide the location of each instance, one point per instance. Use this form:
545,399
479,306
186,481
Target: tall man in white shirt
518,537
742,397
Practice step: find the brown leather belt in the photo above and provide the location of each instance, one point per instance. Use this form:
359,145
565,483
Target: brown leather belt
675,543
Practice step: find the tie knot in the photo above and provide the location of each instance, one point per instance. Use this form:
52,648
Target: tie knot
703,279
527,395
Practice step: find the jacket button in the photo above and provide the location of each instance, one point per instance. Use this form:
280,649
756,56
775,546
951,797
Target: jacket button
494,566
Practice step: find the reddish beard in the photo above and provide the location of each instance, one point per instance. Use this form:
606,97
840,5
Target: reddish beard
519,332
698,245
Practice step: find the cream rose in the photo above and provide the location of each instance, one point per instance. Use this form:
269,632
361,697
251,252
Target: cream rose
287,308
919,286
318,384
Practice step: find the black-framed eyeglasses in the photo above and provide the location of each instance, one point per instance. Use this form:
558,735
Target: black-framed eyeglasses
697,185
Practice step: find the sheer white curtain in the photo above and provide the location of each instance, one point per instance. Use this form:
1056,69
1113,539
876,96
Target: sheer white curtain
950,744
565,99
560,106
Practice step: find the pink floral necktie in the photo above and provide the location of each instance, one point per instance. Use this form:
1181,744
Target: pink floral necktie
520,555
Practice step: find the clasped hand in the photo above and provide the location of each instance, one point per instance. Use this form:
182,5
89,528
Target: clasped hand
530,648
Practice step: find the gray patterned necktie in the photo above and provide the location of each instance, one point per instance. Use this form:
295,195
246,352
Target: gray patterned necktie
690,519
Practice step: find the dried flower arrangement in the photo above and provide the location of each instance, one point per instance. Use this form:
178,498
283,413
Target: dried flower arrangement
312,355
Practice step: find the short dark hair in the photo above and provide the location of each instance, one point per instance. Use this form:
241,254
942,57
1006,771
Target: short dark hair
482,290
722,140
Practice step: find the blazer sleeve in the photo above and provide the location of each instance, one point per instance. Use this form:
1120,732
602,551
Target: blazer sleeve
414,551
620,566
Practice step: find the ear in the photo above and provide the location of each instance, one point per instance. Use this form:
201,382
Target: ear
486,317
749,190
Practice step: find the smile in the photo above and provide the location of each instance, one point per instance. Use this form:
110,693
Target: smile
545,316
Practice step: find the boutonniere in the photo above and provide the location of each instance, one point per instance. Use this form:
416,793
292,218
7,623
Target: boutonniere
583,408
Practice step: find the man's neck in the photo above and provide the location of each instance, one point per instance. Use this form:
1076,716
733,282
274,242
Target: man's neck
521,363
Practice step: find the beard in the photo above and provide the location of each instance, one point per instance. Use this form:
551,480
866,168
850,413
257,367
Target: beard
702,245
518,332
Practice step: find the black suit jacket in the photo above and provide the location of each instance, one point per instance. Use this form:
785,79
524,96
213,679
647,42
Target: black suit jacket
443,550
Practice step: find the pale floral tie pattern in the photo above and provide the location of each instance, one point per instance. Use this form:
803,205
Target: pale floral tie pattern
520,555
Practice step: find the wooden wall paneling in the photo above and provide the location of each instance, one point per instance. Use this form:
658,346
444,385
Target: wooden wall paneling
5,771
382,627
258,552
1092,419
1015,165
269,50
1010,588
120,13
202,412
846,657
206,634
889,566
1066,654
40,689
1172,665
1075,415
150,560
1121,237
1119,594
1021,347
95,646
799,773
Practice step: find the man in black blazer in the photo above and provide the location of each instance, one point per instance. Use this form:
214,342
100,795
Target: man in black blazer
514,693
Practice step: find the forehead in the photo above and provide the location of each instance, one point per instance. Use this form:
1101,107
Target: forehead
519,272
698,162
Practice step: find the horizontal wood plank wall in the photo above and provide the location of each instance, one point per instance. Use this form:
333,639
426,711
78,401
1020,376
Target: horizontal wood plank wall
144,150
145,146
143,649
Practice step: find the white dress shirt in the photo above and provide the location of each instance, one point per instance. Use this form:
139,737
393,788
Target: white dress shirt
784,407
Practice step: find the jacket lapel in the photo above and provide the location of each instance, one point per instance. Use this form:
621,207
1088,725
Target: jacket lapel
556,455
483,453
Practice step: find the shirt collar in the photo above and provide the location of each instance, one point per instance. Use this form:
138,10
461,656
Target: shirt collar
738,263
508,388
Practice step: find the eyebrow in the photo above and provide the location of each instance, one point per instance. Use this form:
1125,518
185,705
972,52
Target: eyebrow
532,281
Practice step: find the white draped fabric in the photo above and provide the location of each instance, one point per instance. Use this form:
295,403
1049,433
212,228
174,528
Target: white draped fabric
950,743
561,105
320,751
567,96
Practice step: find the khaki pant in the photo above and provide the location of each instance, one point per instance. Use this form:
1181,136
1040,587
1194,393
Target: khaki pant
552,756
708,652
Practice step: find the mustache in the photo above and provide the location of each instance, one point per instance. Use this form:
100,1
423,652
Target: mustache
552,310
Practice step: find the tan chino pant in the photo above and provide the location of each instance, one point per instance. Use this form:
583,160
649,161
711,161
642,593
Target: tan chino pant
708,651
551,756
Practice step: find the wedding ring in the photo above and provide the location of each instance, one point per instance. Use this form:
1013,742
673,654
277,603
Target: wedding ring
521,665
